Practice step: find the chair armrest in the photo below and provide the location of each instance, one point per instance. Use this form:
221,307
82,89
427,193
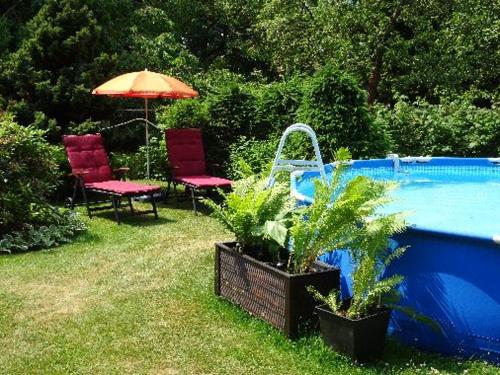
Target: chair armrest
121,173
173,168
78,173
214,167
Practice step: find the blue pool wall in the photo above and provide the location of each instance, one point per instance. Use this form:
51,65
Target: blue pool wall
452,279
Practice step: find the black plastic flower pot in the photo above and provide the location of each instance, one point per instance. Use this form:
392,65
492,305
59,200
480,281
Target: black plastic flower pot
361,339
276,296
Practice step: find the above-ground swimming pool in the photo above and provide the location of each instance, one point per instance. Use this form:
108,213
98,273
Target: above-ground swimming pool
452,266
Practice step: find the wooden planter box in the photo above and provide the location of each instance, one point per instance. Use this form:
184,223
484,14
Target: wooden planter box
278,297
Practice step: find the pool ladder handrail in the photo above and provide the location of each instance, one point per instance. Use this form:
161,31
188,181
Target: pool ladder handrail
286,165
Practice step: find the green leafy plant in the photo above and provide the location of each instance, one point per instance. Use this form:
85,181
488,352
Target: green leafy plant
60,227
340,216
258,216
352,221
370,256
28,173
251,155
137,161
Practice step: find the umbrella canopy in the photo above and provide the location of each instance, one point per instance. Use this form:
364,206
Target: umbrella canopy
146,85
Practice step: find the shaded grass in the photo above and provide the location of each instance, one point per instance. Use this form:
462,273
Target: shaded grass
138,298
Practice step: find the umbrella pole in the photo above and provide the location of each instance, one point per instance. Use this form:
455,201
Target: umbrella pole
147,138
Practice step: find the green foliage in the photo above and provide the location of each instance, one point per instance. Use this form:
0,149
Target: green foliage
352,222
258,216
414,48
257,155
332,299
69,47
335,107
60,228
183,114
158,166
231,111
456,128
276,106
57,63
28,173
347,222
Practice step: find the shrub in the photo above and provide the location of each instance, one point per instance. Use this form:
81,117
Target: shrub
183,114
351,221
456,128
258,216
335,106
28,173
158,165
276,107
231,111
256,154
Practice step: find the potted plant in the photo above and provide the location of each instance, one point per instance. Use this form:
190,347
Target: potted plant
357,326
270,230
252,272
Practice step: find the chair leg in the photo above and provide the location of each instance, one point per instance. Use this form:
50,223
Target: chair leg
176,194
194,201
115,207
168,190
84,194
130,204
73,197
153,203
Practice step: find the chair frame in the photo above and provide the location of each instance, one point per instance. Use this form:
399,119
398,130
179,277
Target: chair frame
193,189
114,198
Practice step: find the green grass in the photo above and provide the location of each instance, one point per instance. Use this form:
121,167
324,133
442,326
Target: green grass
138,298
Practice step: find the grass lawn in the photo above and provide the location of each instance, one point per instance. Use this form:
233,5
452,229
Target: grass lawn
138,298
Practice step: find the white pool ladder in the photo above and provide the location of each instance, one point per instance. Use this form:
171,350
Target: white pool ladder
286,165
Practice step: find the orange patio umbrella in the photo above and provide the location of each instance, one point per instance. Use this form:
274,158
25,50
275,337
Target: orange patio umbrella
147,85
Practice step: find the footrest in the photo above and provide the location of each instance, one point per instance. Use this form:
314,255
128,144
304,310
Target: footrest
122,188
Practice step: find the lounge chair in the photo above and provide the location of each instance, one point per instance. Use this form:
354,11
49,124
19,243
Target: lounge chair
187,163
90,166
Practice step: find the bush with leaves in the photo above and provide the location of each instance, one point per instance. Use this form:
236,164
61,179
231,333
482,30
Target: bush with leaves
455,128
276,106
158,166
28,173
255,154
183,114
231,112
259,217
335,106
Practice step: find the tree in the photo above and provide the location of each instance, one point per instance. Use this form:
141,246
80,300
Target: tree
414,48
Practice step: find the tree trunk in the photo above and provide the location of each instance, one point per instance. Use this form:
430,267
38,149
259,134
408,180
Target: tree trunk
374,79
378,59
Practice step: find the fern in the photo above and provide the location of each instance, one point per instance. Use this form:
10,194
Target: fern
259,217
346,214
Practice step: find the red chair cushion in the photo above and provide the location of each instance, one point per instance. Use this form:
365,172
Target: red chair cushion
185,152
204,181
123,187
86,153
